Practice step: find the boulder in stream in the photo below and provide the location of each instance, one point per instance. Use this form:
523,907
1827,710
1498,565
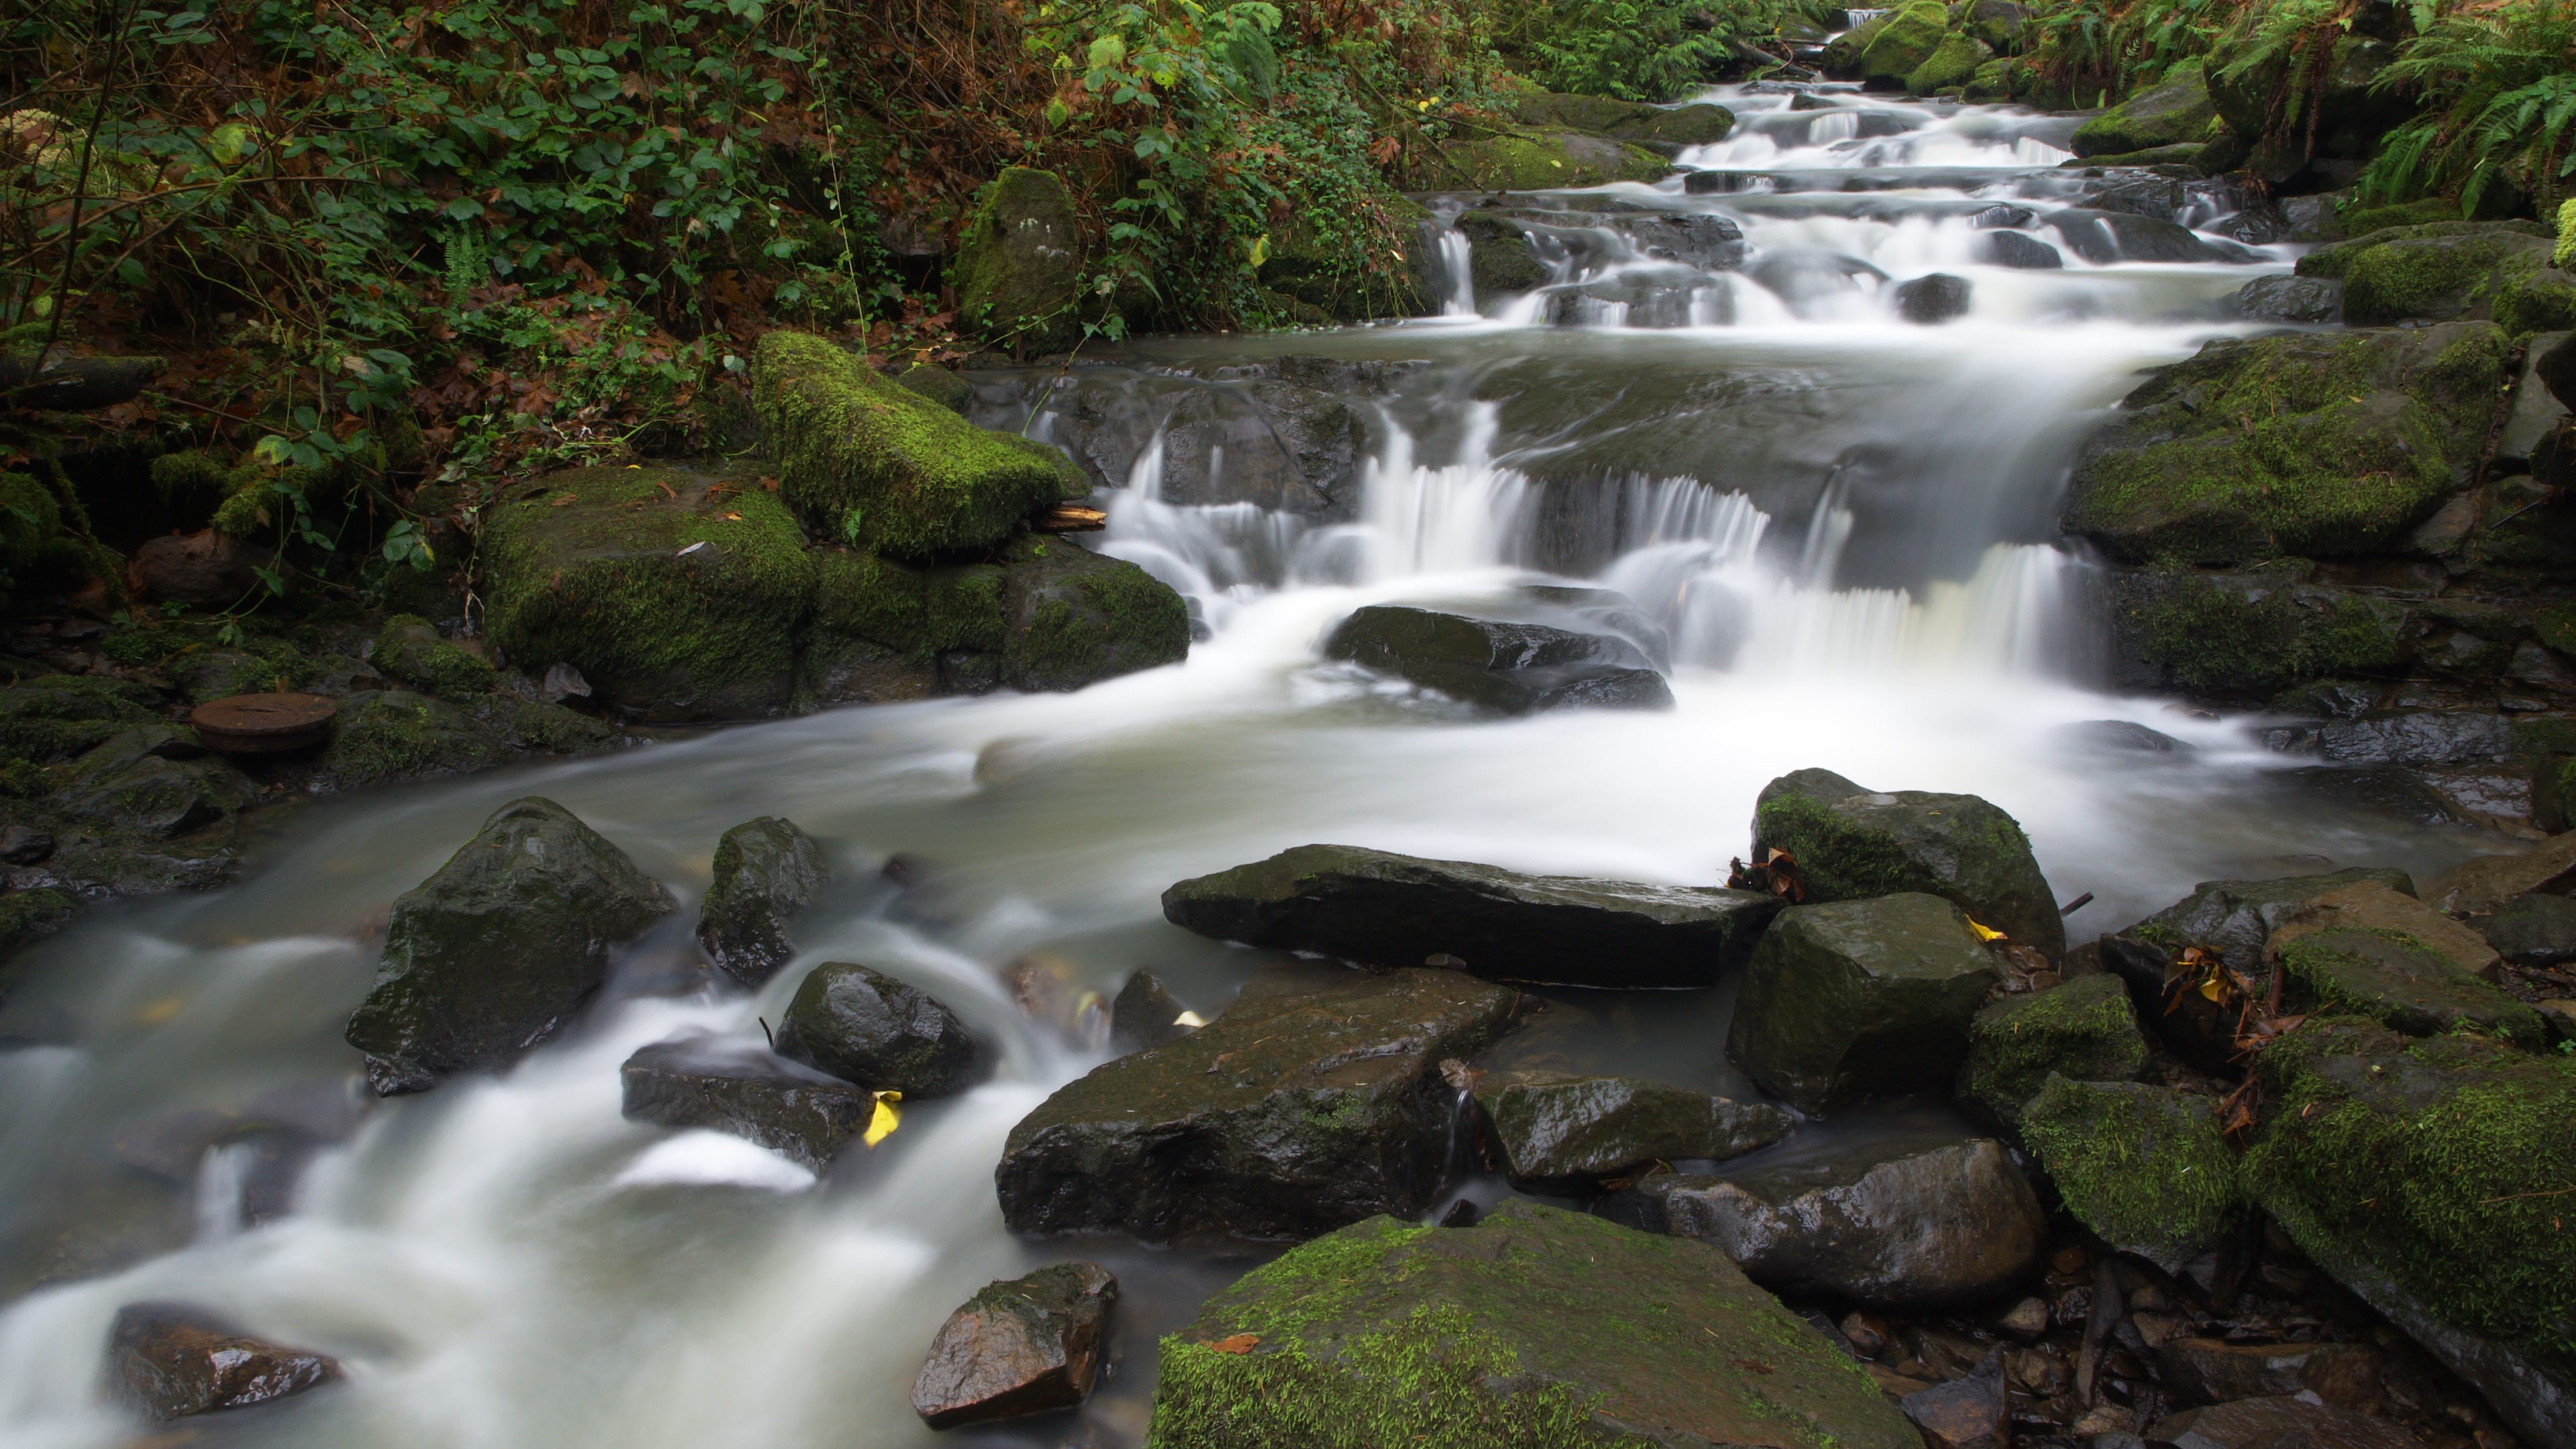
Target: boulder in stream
1535,1326
1852,842
1145,1014
861,1025
2312,301
1860,999
2176,109
491,954
747,1090
2085,1029
2019,250
2436,272
1377,908
766,870
1934,298
172,1360
1893,1224
1024,1345
1557,1132
1509,668
1314,1101
2144,1167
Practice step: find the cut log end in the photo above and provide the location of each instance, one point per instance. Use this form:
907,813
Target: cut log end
1070,518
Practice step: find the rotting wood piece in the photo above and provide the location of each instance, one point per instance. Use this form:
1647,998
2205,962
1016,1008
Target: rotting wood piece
263,724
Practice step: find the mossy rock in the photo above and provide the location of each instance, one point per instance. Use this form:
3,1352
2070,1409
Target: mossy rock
2320,445
535,727
408,648
1537,1328
1952,63
1851,843
1856,1000
2405,984
58,715
256,666
1999,23
1557,1132
2232,635
1992,82
678,595
2145,1168
1072,617
948,389
2360,221
2436,272
2085,1030
1699,124
2530,297
31,527
1842,53
1499,259
1342,268
1558,110
877,466
1018,272
383,736
2430,1177
2175,111
131,784
1542,160
1902,42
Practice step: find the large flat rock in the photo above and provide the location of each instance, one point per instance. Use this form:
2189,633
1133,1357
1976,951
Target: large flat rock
1377,908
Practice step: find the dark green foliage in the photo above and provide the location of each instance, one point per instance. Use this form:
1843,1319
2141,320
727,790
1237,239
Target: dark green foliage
2498,108
1637,50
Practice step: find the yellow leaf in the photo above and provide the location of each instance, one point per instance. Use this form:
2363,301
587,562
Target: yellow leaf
882,1125
156,1012
1984,934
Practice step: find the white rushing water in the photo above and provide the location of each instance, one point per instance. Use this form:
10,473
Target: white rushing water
1852,562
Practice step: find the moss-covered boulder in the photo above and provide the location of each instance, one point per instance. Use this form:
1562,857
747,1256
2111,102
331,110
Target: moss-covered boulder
1559,1132
1545,160
766,871
865,462
2174,111
2250,635
1071,617
678,595
2145,1168
1855,1000
1565,111
2085,1030
1315,1101
1852,842
2430,1177
2435,272
1536,1328
2402,983
1018,272
2531,296
1901,42
1698,124
2313,444
2376,906
151,781
1499,259
383,736
1954,62
491,954
56,716
1380,909
408,648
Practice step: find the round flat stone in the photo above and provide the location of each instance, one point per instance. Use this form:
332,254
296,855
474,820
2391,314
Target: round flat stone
257,724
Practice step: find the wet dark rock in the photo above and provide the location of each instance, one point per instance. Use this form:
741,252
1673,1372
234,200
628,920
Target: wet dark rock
1145,1014
2102,237
1071,617
2485,883
1314,1101
1966,1413
492,954
2018,249
1498,254
1711,243
747,1090
1380,909
1860,999
2311,300
133,783
861,1025
2199,1371
409,648
766,871
1891,1225
2401,982
1938,297
2526,437
2275,1423
2532,930
1021,1346
205,568
2144,1167
2120,736
1505,667
2160,197
2085,1029
25,844
1610,1335
173,1360
2005,214
1852,842
2431,738
1557,1132
2434,273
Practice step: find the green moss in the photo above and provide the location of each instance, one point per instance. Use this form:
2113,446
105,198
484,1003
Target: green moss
1104,617
2239,635
62,715
2315,445
31,522
1331,265
1841,859
2443,1164
2085,1030
1549,160
2529,297
25,915
2144,1167
664,588
2563,251
408,648
1019,263
1953,62
398,735
2402,983
2433,271
868,463
2362,221
1904,41
546,728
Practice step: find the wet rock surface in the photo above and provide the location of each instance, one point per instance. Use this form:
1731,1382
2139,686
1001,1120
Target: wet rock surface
1852,842
1895,1225
1533,1322
863,1026
766,870
1315,1100
1024,1345
1377,908
1509,668
173,1360
495,951
1555,1131
2275,1423
1855,1000
747,1090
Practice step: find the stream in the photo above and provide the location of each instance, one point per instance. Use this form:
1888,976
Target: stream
1836,526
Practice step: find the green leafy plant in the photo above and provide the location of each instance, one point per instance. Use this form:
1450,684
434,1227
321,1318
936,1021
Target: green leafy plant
2497,90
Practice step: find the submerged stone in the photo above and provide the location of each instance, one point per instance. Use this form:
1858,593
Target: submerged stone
1314,1101
1024,1345
173,1360
1506,667
1534,1327
861,1025
492,954
2144,1167
1860,999
1377,908
1556,1131
1851,842
1145,1014
1938,297
766,870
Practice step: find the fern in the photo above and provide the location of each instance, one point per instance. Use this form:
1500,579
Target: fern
2498,94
